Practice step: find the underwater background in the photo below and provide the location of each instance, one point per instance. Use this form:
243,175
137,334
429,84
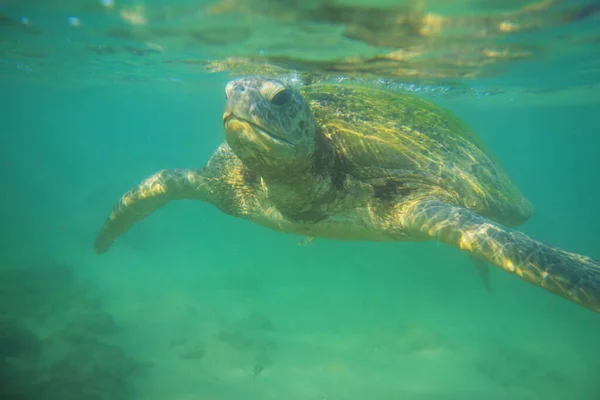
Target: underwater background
194,304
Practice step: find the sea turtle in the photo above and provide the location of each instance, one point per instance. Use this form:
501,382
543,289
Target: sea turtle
352,162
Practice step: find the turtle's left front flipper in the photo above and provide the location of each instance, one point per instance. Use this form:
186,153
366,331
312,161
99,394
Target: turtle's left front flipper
147,197
572,276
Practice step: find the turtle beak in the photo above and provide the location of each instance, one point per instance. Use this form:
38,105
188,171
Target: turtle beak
226,116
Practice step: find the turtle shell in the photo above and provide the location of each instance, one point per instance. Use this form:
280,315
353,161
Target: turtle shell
397,136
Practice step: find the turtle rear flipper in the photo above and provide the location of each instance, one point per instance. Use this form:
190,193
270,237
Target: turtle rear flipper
483,270
147,197
572,276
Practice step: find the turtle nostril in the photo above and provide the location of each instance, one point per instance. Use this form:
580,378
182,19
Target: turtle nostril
233,87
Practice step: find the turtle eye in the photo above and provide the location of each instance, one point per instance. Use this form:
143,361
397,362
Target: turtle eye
281,97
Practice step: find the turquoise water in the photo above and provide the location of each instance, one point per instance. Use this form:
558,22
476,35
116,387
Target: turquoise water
194,304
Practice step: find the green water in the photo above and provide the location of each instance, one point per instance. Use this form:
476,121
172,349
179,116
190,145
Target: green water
194,304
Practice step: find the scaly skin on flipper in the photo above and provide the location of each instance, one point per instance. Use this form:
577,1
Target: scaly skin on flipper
222,183
147,197
572,276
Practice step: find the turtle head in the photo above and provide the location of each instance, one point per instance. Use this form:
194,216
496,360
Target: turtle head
269,126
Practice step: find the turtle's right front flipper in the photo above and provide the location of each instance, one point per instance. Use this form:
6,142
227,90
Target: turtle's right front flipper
148,196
